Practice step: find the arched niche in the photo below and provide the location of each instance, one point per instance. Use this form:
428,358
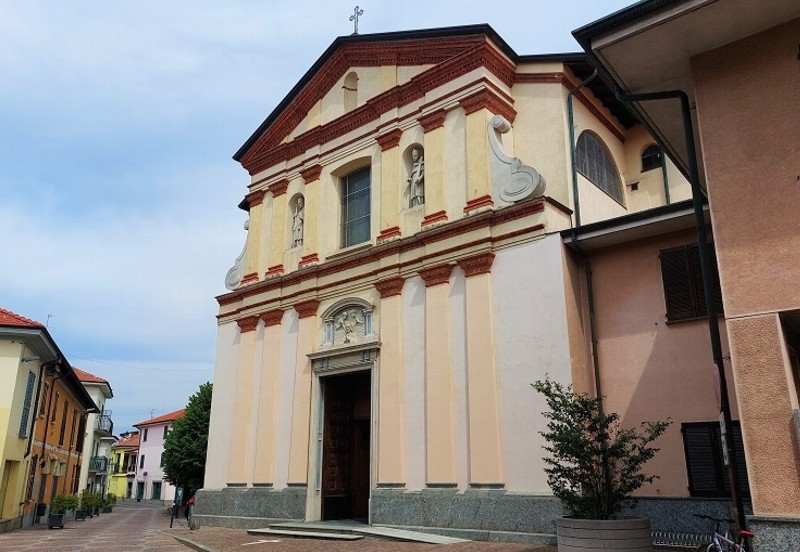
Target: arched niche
350,92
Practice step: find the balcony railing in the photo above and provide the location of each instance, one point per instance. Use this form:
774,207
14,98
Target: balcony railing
98,464
104,424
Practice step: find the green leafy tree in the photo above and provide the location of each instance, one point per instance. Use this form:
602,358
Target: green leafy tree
185,447
595,465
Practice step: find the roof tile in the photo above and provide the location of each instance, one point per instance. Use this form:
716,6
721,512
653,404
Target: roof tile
163,418
8,318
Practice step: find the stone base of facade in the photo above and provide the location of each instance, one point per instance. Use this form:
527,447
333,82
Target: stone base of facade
475,514
775,534
10,524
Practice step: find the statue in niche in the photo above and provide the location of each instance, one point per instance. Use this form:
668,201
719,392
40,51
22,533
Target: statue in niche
347,327
416,180
234,276
298,219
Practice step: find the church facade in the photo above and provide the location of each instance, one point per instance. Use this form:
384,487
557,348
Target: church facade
407,273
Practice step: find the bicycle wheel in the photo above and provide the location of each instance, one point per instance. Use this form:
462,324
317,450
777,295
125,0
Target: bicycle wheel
709,547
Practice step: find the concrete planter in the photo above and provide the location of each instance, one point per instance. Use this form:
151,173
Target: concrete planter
584,535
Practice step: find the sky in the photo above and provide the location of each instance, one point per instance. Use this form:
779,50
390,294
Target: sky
118,191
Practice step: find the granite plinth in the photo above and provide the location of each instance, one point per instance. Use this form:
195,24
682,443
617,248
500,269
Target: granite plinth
248,508
775,534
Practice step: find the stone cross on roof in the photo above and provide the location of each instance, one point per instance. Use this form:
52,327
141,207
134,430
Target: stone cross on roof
354,18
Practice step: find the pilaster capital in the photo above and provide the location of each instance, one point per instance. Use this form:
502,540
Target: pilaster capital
307,308
247,324
389,139
478,264
432,120
311,173
279,188
390,286
272,317
255,198
436,275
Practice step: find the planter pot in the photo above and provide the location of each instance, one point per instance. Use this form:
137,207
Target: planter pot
55,521
106,509
96,511
80,515
584,535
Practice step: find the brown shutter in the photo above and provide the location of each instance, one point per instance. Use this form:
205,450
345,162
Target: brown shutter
678,293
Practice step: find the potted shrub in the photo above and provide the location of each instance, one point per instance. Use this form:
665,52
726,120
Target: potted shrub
111,500
80,508
97,503
594,467
58,508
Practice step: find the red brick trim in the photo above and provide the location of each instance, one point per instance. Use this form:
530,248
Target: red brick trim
434,218
390,286
479,264
278,188
272,317
308,260
543,78
255,198
478,203
273,271
388,234
247,324
307,308
390,139
311,173
249,278
432,120
488,99
436,275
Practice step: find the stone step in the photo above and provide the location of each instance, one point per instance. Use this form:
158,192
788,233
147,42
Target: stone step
351,527
305,534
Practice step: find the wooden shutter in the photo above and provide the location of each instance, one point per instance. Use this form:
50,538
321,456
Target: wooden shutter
707,474
678,292
26,406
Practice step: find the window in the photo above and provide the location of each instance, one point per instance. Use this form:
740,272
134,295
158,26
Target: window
63,423
55,409
651,158
44,399
683,283
596,164
26,406
31,477
144,436
141,461
356,207
72,429
162,460
708,476
81,431
166,432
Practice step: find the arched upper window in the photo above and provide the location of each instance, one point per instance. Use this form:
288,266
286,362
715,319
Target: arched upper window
651,158
355,198
596,164
350,92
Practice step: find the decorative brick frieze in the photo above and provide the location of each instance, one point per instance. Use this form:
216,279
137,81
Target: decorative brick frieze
311,173
389,234
390,139
272,317
390,286
247,324
307,308
308,260
482,202
249,279
279,188
433,120
479,264
255,198
436,275
434,218
488,99
273,271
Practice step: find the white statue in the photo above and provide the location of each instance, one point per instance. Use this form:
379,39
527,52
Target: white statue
297,223
416,180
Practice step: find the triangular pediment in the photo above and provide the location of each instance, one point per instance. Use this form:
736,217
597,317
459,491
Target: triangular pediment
431,57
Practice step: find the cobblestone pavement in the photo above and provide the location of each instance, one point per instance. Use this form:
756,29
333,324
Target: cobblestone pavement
217,539
129,528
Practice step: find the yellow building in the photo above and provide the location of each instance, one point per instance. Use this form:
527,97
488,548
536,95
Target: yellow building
122,470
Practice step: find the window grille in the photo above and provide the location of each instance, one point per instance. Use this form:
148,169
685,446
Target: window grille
596,164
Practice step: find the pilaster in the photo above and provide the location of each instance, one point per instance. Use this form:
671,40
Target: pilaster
277,239
313,213
255,201
391,184
268,399
435,206
240,463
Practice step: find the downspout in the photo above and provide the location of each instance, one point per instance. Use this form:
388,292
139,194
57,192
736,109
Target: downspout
664,177
571,117
705,269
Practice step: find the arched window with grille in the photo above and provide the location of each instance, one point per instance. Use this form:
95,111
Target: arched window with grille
596,164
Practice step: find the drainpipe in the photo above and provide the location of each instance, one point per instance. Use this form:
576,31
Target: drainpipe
573,158
664,177
705,269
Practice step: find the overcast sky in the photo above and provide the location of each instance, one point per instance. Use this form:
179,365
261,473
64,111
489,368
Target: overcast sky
118,193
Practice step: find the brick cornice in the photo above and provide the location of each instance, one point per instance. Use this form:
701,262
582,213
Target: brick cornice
451,59
255,198
272,317
432,120
390,139
278,188
436,275
247,324
488,99
390,286
311,173
478,264
307,308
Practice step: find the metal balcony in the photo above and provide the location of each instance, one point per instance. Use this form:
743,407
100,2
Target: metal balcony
98,464
104,425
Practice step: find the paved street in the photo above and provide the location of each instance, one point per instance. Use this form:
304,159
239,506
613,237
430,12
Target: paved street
129,528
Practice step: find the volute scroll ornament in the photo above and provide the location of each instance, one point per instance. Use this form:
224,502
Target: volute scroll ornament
511,180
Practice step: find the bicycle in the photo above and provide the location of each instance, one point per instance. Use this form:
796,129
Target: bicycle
722,542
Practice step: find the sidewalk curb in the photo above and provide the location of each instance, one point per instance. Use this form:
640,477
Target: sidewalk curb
190,543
